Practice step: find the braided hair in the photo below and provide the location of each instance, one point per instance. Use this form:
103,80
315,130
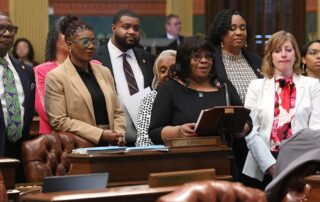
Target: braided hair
70,25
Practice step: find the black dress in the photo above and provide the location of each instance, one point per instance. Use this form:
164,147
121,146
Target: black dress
176,104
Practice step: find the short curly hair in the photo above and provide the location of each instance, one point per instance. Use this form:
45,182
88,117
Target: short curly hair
221,24
184,53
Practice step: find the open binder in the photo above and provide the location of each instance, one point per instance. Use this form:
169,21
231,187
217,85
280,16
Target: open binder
221,119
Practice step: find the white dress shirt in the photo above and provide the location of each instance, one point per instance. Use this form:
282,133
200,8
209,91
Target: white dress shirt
19,90
116,56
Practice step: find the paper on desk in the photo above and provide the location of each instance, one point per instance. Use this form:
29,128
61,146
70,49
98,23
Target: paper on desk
132,104
117,149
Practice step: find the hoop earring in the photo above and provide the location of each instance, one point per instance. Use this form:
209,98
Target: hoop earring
221,44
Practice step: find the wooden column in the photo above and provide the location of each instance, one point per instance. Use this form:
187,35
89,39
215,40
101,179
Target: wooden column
182,8
31,16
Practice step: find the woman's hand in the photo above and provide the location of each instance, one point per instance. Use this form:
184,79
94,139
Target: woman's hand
246,130
112,138
121,140
187,130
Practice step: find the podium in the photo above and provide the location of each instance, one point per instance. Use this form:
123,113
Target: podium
134,167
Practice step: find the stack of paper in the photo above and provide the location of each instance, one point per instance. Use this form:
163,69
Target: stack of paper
117,149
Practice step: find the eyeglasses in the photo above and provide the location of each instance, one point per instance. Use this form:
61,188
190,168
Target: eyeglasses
86,42
313,52
198,56
11,29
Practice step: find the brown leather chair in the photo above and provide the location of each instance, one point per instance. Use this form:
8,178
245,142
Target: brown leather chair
213,191
3,191
46,155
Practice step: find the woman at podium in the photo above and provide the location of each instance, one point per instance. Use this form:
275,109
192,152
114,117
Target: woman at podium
281,104
194,88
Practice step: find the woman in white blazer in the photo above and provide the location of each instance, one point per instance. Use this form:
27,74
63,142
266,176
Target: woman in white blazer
281,104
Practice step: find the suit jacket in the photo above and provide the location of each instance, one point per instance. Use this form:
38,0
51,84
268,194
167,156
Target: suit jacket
144,59
173,46
260,99
26,75
69,104
253,60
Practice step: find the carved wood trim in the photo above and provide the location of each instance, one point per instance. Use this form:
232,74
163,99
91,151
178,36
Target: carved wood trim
107,7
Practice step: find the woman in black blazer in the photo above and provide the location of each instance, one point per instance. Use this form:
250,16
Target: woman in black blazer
229,33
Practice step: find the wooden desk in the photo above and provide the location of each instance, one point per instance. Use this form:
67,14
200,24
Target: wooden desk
139,193
8,169
135,167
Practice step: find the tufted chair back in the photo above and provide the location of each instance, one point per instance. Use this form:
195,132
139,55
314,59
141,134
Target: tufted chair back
214,191
3,191
46,155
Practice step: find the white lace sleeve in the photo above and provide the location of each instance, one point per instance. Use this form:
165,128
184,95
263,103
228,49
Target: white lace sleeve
144,117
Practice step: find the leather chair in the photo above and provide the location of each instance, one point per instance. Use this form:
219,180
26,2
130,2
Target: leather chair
3,191
214,191
46,155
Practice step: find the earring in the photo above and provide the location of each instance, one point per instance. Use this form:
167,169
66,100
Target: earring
304,69
69,51
246,44
221,44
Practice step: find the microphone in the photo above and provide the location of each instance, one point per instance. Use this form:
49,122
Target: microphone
227,94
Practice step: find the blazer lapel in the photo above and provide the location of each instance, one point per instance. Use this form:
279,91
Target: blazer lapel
142,64
269,92
23,78
218,63
27,86
79,85
106,92
299,90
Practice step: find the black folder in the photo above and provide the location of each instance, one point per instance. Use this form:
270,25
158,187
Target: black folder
219,119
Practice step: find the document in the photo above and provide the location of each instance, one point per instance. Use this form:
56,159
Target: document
117,149
221,119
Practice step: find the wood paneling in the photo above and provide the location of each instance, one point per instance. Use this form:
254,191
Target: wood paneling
265,17
32,23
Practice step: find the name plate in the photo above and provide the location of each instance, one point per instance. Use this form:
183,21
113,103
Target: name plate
194,141
180,177
229,110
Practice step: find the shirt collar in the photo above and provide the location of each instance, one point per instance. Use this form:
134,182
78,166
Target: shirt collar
7,58
115,52
170,36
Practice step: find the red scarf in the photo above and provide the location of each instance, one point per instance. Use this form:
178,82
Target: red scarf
286,85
